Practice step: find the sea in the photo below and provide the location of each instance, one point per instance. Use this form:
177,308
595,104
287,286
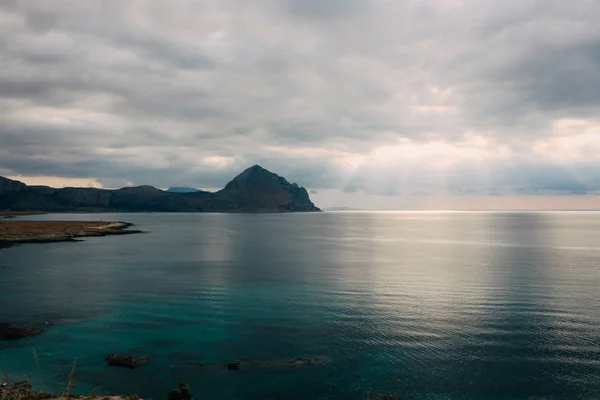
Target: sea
339,305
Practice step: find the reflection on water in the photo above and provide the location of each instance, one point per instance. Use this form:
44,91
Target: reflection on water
417,305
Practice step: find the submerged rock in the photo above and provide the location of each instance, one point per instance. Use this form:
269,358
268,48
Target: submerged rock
130,362
9,332
181,393
233,366
293,362
245,362
300,361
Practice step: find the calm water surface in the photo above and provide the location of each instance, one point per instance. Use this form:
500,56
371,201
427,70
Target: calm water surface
415,305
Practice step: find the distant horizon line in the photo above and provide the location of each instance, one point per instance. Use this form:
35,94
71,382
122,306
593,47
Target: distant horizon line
442,211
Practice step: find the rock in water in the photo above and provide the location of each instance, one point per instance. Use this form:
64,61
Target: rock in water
118,360
181,393
233,366
9,332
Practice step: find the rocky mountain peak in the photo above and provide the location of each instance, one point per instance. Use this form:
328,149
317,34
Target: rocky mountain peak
263,189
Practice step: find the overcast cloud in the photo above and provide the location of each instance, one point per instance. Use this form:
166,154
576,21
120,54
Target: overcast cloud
384,97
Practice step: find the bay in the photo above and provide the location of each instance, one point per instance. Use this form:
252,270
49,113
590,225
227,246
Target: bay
430,305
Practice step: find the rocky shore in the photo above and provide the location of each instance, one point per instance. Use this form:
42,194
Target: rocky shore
12,214
17,231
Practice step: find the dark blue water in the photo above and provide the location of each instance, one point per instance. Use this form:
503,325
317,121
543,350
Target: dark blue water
414,305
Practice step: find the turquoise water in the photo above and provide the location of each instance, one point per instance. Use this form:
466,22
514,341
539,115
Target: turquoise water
414,305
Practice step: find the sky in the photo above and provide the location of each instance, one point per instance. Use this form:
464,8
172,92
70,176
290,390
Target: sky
376,104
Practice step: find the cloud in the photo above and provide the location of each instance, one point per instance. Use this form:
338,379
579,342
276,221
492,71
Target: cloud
382,97
325,9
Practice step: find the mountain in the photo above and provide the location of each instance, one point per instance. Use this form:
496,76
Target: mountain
254,190
257,189
183,189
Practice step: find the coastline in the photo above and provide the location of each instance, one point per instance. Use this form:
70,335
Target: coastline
13,214
18,231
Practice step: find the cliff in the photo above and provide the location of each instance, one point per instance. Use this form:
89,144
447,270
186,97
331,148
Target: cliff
254,190
9,187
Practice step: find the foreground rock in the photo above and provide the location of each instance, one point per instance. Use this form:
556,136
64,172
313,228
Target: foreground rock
22,390
16,231
130,362
9,332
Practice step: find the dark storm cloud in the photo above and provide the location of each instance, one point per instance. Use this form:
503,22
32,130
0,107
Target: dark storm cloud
143,92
